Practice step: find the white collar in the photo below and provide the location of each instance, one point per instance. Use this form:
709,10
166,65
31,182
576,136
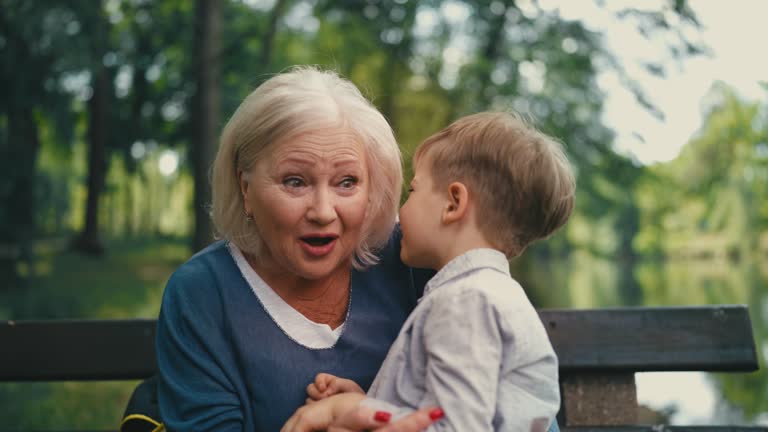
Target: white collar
295,325
468,261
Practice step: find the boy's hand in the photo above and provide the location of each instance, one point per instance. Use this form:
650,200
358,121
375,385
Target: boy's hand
326,385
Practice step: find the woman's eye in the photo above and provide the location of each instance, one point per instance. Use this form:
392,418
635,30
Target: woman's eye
293,182
348,182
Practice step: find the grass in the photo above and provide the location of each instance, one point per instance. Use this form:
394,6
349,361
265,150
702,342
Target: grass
127,282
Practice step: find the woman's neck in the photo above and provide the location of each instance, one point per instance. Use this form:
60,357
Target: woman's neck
323,301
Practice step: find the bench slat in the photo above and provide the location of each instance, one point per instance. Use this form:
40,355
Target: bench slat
707,338
77,350
693,338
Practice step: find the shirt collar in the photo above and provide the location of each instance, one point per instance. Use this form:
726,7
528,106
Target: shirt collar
471,260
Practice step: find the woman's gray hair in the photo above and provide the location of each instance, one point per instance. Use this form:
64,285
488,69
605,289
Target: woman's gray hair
302,100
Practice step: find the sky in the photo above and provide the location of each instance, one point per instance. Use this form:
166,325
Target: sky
735,33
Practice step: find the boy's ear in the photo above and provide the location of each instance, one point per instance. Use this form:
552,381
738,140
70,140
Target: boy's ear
458,203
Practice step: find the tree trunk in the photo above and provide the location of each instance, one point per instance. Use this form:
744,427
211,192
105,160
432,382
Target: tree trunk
19,156
389,82
205,112
89,241
491,53
140,91
18,152
269,36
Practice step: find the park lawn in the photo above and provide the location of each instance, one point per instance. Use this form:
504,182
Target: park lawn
126,282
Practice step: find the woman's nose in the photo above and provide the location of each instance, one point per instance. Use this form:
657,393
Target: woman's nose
322,210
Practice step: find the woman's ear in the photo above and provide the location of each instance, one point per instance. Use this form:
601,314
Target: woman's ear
243,180
243,183
458,203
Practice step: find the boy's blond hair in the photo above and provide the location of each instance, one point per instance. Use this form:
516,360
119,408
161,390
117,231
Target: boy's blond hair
520,178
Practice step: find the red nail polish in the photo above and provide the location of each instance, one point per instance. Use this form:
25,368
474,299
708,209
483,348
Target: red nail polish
436,414
382,416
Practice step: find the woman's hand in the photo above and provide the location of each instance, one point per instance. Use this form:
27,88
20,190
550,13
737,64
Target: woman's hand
343,413
321,414
363,418
327,385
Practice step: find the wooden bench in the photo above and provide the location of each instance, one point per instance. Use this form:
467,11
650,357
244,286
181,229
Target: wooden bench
599,350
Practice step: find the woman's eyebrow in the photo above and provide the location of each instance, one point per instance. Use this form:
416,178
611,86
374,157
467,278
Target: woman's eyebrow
347,161
293,159
310,160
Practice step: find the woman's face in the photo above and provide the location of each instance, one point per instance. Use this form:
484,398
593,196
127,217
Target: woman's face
308,199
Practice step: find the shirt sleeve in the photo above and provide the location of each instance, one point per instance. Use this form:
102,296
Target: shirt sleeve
195,391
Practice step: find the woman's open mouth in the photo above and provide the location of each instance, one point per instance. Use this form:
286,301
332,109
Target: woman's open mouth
318,245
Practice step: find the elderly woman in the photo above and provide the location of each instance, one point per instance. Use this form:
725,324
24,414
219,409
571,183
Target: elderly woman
308,277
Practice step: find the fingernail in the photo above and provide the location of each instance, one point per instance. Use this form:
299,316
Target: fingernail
436,414
382,416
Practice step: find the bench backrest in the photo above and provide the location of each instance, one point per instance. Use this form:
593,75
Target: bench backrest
599,351
709,338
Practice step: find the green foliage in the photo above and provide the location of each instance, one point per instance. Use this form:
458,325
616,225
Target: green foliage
499,57
709,201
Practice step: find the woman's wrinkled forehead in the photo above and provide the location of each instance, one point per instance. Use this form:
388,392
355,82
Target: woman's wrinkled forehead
332,144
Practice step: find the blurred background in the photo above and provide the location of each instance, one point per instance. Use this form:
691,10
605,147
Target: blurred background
110,111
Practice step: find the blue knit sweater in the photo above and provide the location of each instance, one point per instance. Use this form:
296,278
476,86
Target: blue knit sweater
225,365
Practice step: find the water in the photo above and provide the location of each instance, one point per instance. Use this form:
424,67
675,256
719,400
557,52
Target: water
129,281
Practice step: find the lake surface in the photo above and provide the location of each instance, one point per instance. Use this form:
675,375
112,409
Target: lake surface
129,283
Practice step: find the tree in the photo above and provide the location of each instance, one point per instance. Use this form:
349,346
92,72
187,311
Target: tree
719,178
35,39
99,106
205,111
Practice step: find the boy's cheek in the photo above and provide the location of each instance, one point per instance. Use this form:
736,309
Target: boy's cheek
410,260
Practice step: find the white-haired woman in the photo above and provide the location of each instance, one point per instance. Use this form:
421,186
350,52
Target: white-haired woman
307,277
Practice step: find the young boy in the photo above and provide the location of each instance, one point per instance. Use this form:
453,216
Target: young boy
485,188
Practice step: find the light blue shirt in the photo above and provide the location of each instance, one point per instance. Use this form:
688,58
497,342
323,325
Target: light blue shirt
474,346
